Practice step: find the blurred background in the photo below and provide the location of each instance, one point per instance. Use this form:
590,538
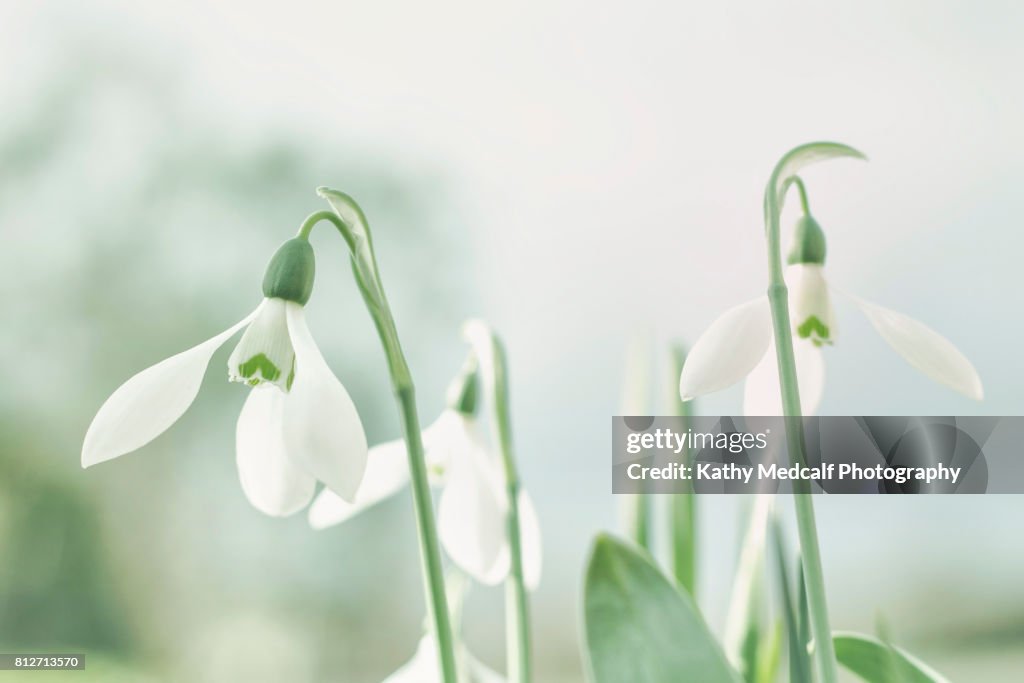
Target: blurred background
574,174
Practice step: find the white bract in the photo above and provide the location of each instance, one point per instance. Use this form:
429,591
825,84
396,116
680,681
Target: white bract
473,507
298,424
739,344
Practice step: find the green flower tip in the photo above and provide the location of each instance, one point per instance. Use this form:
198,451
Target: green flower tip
291,272
267,371
325,192
259,369
815,330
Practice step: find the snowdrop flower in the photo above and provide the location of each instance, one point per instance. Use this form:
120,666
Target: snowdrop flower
473,506
739,343
298,424
423,667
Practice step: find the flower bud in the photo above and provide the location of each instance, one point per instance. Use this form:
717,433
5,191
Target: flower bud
290,273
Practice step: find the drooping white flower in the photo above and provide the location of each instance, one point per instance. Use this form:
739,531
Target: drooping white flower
473,506
423,667
298,424
739,344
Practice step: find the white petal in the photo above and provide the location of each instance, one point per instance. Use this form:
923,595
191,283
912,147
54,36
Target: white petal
422,668
810,304
387,471
452,432
322,429
728,350
264,353
471,517
270,480
925,349
761,393
529,530
147,404
480,672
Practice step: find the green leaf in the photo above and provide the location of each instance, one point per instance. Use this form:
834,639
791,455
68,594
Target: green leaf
804,604
683,514
637,509
800,665
683,507
769,653
743,632
879,662
639,628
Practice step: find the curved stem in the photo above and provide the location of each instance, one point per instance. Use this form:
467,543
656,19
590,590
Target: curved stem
489,346
796,180
312,219
367,277
779,301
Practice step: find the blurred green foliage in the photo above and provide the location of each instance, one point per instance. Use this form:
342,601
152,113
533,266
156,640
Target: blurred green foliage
55,583
134,227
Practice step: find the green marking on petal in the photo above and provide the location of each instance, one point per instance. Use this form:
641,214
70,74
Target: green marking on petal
259,364
815,330
291,377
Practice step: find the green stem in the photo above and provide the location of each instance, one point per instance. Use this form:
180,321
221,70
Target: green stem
365,268
779,302
683,510
517,600
802,190
312,219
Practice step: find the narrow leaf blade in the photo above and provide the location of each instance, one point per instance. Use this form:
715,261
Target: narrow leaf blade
799,661
743,632
878,662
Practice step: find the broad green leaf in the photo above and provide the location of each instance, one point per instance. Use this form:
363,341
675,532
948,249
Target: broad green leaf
879,662
743,632
639,628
